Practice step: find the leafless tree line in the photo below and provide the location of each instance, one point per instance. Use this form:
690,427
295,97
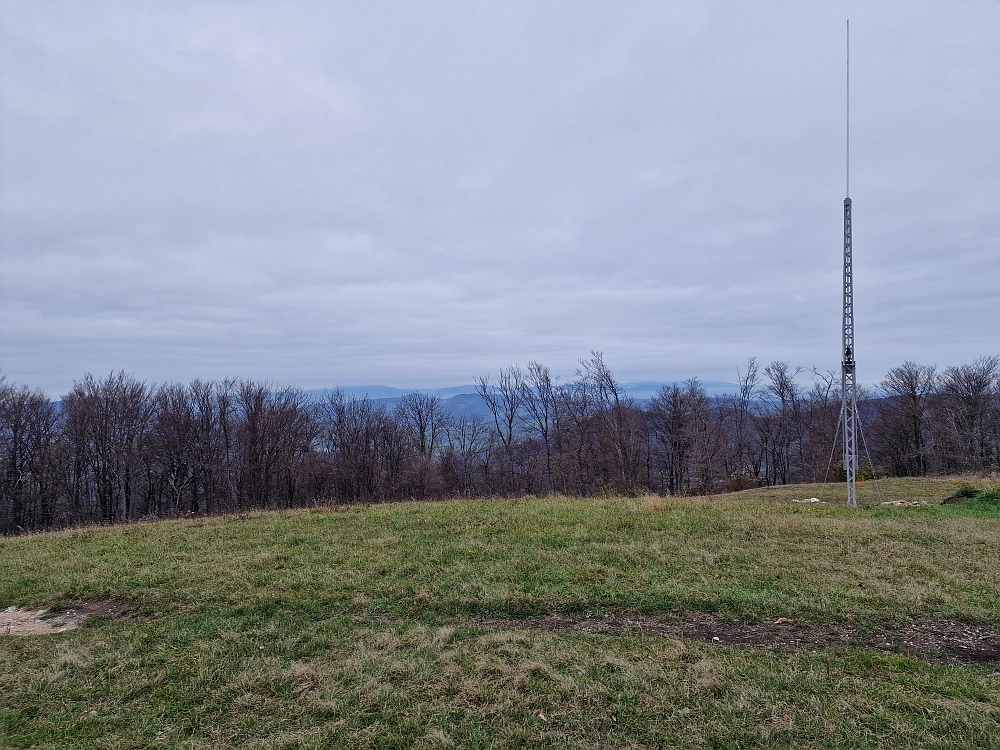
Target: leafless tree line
117,449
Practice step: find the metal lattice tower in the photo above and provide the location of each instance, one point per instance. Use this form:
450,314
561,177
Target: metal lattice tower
848,383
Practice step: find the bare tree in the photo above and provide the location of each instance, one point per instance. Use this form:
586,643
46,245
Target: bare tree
423,420
210,450
618,414
578,458
504,400
469,439
354,433
28,435
173,442
742,404
273,429
902,424
114,415
968,404
781,422
538,394
820,417
682,423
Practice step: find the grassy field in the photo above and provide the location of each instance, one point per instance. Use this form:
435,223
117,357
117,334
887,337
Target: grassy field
420,625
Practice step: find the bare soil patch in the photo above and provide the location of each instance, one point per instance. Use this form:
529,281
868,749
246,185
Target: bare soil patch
954,500
933,642
28,621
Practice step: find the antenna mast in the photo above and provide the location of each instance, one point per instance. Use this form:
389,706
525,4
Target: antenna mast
848,383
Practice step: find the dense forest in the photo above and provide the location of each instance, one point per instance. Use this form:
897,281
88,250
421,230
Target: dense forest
117,449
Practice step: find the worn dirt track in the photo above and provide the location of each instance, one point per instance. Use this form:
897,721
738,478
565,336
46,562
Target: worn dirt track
944,642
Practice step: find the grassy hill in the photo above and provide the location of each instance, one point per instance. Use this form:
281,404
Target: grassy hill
733,622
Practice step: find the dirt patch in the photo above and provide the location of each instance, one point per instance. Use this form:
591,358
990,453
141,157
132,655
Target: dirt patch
933,642
954,500
27,621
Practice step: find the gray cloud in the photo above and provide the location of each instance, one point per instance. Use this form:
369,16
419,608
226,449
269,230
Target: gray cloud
414,193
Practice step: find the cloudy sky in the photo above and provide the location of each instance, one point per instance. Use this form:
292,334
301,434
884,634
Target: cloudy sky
415,193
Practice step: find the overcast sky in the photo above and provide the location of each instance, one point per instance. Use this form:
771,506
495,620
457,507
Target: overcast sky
414,193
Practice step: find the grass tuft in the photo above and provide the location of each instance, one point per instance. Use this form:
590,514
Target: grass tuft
991,496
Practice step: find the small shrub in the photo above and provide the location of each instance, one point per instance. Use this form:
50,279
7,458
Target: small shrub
738,481
603,489
967,491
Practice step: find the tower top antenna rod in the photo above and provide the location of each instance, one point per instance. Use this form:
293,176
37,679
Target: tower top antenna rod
848,108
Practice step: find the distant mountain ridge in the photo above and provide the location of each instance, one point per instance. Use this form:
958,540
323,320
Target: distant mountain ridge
388,391
646,389
464,399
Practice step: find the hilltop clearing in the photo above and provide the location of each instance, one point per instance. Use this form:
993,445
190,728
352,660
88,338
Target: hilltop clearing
740,620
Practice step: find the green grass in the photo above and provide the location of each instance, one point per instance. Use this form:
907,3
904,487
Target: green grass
354,628
979,503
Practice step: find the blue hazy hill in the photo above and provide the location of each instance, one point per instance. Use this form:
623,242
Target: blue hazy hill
463,399
379,392
646,389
